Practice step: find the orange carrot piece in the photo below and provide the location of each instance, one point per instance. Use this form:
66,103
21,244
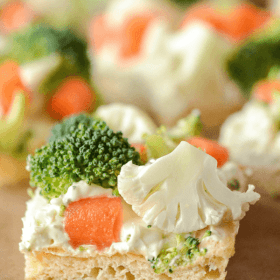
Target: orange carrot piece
142,150
10,84
14,15
94,221
245,19
101,34
263,90
212,148
133,32
238,23
72,97
128,36
206,13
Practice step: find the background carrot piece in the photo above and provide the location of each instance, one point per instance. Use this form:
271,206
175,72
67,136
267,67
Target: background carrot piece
206,13
102,34
142,150
128,36
72,97
245,19
238,23
94,221
263,90
14,15
133,32
212,148
10,84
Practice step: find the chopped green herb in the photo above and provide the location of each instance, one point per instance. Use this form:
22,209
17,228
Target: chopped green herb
81,248
62,209
233,184
128,237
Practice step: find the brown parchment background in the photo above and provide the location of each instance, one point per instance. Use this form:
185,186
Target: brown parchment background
257,254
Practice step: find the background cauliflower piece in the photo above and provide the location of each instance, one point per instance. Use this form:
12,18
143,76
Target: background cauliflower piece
248,132
181,192
128,119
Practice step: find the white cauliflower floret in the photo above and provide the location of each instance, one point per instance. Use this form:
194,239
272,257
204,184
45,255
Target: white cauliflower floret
127,118
181,192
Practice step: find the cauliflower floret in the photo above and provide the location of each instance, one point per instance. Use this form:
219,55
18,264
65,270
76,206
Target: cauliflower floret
181,192
127,118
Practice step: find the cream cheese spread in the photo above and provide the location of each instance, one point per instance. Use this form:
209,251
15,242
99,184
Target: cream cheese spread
43,226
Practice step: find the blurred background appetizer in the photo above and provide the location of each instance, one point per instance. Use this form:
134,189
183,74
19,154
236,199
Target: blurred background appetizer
169,66
252,134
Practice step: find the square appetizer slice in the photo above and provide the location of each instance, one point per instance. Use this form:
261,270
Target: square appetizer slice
99,212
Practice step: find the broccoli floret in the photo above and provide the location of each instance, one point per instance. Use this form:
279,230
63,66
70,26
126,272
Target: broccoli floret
253,60
184,3
164,141
41,40
91,152
70,124
233,184
183,253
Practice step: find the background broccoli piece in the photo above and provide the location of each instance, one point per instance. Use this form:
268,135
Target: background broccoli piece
253,60
184,3
41,40
69,125
91,152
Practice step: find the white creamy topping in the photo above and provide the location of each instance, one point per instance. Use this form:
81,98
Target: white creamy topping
128,119
43,226
250,135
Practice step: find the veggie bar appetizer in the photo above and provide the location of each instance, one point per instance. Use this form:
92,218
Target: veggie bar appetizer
100,212
152,142
167,64
252,134
19,133
54,66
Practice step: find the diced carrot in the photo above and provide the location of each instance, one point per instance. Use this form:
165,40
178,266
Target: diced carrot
14,15
10,84
128,36
238,23
133,32
245,19
263,90
73,96
94,221
101,34
212,148
142,150
205,13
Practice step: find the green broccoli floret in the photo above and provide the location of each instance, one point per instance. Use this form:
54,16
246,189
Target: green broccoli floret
70,124
41,40
164,141
252,61
185,3
92,152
